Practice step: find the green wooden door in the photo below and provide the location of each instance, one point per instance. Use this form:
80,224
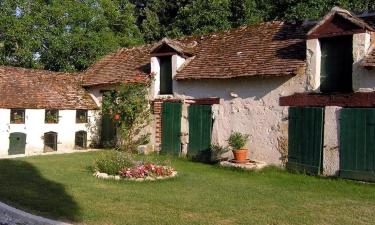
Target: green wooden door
305,139
171,128
17,143
200,130
357,143
108,131
336,64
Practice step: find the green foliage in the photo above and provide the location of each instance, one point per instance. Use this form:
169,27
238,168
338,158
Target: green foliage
244,12
70,35
64,35
111,162
128,106
237,140
202,17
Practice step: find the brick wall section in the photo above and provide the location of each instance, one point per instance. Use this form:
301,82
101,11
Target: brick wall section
157,107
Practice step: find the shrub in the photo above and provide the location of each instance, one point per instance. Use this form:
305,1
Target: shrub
237,140
112,162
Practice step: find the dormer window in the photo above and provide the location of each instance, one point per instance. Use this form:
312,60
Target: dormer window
166,75
336,64
335,47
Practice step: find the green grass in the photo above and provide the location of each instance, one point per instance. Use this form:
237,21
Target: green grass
62,187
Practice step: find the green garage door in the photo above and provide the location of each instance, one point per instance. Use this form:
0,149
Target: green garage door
305,139
17,143
171,128
357,144
200,129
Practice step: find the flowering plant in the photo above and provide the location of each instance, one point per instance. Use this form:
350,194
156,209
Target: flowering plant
146,170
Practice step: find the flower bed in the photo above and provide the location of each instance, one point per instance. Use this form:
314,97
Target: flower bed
123,166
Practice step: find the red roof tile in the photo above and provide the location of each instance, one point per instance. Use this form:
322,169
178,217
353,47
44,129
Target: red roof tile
41,89
267,49
124,65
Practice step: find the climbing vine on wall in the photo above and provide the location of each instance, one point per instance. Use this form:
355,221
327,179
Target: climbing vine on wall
128,106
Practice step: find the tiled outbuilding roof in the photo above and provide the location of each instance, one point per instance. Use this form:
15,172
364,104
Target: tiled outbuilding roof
41,89
267,49
124,65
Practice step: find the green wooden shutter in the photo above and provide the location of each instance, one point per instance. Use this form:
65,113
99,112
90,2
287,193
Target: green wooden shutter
200,130
357,144
171,128
336,64
17,143
166,75
305,139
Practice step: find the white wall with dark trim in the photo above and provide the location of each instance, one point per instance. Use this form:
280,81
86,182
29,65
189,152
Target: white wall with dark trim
35,127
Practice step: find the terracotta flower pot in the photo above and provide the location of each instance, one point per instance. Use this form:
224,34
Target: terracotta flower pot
240,155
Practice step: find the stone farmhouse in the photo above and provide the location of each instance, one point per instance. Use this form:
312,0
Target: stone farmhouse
303,92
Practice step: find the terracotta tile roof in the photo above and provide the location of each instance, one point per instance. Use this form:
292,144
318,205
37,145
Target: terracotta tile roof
267,49
124,65
184,49
41,89
325,28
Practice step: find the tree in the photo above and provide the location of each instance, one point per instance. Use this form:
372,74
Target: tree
202,17
244,12
64,35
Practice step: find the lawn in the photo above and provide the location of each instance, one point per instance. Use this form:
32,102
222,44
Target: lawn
62,187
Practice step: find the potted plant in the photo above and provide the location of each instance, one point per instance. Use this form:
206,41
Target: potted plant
237,141
18,119
51,118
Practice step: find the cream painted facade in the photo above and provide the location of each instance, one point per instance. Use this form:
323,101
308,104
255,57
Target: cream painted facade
251,104
35,127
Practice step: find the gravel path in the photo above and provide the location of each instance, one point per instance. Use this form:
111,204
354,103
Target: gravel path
13,216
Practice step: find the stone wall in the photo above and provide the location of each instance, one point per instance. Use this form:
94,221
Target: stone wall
248,105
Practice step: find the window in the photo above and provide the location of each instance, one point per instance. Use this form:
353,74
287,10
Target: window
50,141
81,116
51,116
336,64
81,140
17,116
166,75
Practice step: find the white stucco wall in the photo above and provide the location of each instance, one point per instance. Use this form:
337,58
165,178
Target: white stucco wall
363,79
313,60
331,140
35,127
254,111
